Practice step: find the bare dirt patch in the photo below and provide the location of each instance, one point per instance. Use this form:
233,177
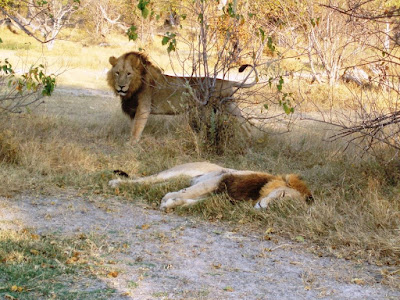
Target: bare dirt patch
164,256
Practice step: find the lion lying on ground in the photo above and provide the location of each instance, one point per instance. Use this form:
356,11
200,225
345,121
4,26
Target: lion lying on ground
145,90
262,188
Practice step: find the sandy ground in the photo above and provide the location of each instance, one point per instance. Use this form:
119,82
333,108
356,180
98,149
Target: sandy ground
173,257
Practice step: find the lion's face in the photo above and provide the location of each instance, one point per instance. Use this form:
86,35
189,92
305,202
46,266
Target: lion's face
124,76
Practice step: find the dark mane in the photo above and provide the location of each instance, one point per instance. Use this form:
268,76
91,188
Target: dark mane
243,187
129,102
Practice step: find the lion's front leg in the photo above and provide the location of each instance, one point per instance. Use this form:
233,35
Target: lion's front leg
190,195
142,115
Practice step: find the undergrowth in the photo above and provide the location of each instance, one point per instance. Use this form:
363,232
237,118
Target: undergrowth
34,266
355,214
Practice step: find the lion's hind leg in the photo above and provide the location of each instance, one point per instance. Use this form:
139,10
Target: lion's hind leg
191,170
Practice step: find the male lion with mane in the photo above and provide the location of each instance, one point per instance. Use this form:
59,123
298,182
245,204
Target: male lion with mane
259,187
145,90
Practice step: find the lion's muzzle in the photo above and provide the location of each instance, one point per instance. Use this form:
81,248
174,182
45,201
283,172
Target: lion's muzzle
121,90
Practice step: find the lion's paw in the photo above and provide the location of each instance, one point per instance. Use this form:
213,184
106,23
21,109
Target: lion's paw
169,202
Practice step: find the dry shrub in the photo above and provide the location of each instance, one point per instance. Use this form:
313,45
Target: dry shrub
9,148
216,131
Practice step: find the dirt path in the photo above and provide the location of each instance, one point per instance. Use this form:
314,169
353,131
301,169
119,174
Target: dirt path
172,257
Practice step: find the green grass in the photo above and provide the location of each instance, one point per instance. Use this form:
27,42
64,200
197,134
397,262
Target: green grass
36,266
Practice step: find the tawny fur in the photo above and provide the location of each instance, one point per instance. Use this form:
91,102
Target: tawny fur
145,90
262,188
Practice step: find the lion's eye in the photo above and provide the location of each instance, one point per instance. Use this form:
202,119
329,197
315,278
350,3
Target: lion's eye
117,73
129,74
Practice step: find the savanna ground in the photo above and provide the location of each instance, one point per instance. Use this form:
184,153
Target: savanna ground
66,235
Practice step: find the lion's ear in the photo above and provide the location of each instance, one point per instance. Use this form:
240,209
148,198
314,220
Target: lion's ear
112,60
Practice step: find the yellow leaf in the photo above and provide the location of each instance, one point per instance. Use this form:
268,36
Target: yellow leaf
216,266
34,252
16,288
270,230
35,236
145,226
72,260
113,274
358,281
267,237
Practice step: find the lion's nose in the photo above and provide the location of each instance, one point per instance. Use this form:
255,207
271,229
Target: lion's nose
121,87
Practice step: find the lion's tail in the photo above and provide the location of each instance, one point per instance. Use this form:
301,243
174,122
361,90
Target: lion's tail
246,85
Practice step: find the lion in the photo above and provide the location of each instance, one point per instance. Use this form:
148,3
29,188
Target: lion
259,187
145,90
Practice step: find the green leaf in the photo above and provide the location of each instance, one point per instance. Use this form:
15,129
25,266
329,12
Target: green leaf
165,40
231,10
266,106
270,44
145,13
142,7
280,84
1,41
132,34
169,39
200,17
262,34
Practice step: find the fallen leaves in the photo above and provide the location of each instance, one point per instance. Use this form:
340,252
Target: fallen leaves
267,234
16,288
34,252
75,258
71,260
113,274
145,226
358,281
216,266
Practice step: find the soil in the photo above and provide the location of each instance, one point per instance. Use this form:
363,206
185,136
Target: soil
167,256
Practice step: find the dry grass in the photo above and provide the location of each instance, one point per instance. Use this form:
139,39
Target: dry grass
76,142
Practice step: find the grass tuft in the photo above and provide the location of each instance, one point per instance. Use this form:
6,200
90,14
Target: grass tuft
36,266
9,149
